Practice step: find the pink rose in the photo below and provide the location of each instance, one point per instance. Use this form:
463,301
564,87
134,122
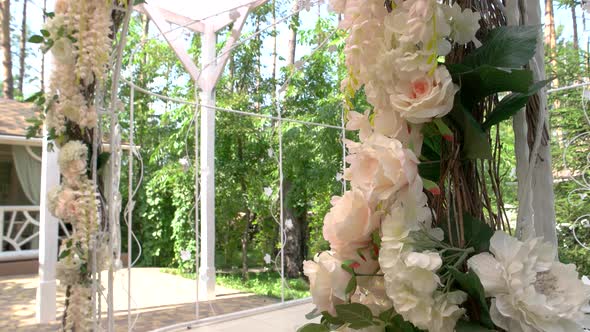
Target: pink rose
350,222
380,166
64,206
74,169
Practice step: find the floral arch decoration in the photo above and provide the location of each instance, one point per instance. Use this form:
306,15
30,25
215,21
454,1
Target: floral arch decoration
411,248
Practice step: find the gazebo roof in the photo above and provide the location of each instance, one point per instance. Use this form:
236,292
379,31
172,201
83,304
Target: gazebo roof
13,117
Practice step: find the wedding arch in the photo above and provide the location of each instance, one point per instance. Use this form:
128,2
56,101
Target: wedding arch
536,216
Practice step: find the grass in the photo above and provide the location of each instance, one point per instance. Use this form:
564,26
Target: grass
259,283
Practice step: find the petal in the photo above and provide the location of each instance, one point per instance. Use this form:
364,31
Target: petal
504,246
489,272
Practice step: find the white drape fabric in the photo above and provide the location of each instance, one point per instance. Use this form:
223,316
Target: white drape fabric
28,170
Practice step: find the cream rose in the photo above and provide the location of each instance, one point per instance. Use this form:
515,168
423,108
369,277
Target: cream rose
380,166
423,97
327,281
350,222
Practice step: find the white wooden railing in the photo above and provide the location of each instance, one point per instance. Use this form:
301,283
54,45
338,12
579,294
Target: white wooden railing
19,232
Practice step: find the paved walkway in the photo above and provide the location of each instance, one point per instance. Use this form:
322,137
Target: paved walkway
158,300
282,320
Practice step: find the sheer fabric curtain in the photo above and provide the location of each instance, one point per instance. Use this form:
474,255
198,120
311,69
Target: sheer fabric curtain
27,161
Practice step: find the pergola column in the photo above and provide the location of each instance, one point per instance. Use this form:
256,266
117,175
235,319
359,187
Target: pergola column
206,79
48,231
207,267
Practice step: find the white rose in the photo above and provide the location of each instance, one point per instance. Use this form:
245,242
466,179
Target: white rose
423,97
327,281
350,222
446,311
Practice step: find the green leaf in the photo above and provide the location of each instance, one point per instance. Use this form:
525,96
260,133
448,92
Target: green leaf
444,130
476,144
36,39
137,2
477,233
465,326
351,286
313,314
511,104
487,80
398,324
387,315
470,283
45,33
346,266
376,237
34,97
64,254
507,47
355,314
313,327
430,170
329,319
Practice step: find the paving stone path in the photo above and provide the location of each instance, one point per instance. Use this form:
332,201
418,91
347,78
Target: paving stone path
158,299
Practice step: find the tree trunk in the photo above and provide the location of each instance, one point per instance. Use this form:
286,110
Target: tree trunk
575,26
23,50
550,36
43,54
293,34
8,84
294,236
245,237
274,51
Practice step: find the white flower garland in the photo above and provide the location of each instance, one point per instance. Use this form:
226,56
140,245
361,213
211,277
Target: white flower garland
77,34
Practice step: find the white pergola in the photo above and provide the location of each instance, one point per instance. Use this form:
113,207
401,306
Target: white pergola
534,193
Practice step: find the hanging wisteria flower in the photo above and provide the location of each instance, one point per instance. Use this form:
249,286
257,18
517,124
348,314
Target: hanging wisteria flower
530,290
464,23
